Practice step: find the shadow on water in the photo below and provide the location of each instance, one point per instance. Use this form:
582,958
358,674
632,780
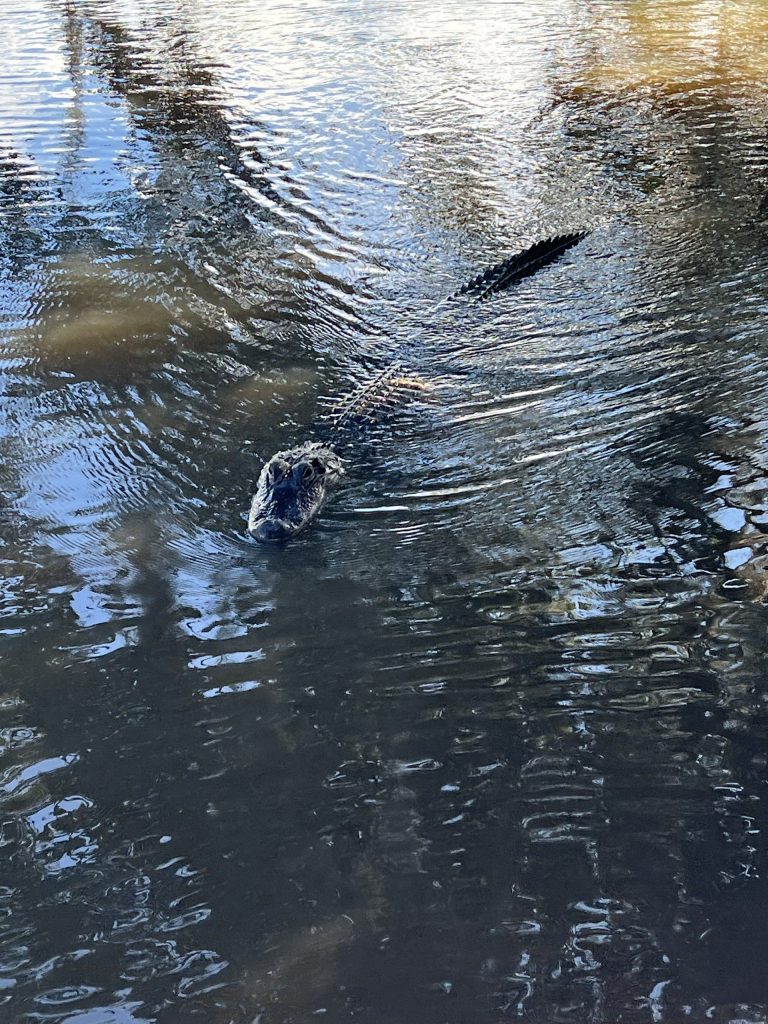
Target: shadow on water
489,741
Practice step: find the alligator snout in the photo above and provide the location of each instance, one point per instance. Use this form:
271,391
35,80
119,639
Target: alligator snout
271,531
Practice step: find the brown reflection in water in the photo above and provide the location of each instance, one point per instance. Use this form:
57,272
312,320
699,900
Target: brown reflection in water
105,319
688,82
675,48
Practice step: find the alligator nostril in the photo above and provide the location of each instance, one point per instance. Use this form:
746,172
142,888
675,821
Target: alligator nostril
270,530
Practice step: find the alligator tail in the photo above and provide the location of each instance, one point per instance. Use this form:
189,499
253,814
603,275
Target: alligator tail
519,266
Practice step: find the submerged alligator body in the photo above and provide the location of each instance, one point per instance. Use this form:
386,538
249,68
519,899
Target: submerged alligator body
294,483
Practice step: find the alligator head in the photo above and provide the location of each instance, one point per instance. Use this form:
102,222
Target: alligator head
291,490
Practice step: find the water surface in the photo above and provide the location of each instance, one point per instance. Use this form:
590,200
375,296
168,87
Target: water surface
489,741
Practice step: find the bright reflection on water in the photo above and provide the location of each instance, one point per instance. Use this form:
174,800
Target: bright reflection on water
489,741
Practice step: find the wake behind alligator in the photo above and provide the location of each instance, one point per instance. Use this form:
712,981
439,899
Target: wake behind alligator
294,483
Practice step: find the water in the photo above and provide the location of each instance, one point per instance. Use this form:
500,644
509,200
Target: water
489,741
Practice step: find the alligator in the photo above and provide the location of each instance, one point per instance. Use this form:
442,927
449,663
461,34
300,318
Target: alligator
294,483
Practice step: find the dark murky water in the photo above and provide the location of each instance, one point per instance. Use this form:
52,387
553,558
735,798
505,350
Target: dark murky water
489,741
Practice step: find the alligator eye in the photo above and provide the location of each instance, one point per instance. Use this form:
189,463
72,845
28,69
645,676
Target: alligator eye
317,466
276,471
303,472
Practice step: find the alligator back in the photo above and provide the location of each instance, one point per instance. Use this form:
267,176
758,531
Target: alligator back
372,401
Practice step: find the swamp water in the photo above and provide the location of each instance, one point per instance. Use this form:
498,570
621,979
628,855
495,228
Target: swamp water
489,741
